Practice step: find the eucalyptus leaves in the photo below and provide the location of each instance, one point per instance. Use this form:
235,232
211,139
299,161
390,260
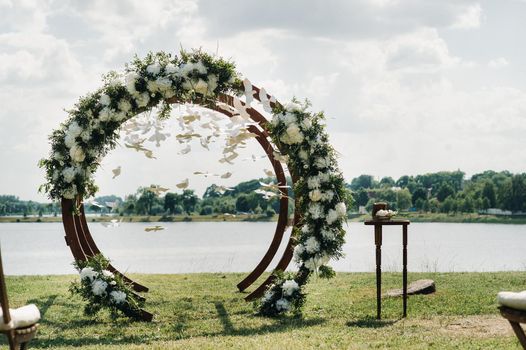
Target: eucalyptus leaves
159,79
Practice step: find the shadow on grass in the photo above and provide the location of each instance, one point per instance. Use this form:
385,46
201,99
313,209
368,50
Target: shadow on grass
116,333
370,322
281,324
43,305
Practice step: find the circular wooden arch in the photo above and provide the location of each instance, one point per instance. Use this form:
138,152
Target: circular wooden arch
83,246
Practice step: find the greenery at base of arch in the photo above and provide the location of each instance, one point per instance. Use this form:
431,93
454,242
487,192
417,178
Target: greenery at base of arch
93,126
102,289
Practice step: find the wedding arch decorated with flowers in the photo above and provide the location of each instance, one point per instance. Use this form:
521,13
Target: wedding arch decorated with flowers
294,139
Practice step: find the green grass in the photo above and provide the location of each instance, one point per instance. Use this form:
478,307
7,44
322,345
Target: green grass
204,311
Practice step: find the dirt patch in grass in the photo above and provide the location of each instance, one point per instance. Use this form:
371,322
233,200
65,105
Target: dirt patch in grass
485,326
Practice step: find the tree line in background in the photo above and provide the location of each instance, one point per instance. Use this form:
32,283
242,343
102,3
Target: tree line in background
446,192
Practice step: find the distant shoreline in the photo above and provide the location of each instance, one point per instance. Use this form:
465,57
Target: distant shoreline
413,217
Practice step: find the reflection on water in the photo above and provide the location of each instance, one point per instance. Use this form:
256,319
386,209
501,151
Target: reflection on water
39,248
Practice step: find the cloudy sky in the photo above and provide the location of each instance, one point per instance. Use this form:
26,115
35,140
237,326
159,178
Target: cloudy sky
408,86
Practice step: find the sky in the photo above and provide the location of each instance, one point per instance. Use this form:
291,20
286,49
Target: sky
408,87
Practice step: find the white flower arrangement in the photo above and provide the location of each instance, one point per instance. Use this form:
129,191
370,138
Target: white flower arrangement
289,287
118,297
88,273
385,214
321,196
103,289
196,77
98,287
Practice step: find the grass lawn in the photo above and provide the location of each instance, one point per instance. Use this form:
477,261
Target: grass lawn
204,311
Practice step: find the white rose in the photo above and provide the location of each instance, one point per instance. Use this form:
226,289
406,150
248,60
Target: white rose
312,245
293,135
164,85
289,287
332,216
200,67
185,69
70,140
74,129
341,209
323,163
119,116
315,210
288,118
57,156
315,195
303,155
154,68
131,79
293,106
86,135
328,234
212,83
118,296
306,124
105,114
88,273
115,81
104,100
108,274
324,177
171,68
77,154
69,174
327,196
313,182
142,99
124,105
282,304
201,87
151,85
98,287
298,250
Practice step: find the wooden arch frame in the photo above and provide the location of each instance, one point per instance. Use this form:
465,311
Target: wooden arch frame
83,246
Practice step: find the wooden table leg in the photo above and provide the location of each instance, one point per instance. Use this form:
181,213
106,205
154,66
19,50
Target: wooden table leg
378,243
404,270
519,333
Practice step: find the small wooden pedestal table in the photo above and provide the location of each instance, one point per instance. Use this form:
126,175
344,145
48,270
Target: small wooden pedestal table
378,242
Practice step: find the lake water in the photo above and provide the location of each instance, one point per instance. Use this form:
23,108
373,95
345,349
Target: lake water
39,248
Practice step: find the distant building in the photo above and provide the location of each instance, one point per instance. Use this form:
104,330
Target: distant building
496,211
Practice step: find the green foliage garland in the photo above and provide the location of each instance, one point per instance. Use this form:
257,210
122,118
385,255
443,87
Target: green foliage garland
92,129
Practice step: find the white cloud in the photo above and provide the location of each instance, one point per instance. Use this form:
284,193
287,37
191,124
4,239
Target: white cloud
385,72
498,63
35,57
470,17
420,51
